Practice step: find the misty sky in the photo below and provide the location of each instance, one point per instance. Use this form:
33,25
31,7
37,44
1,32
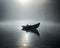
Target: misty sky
43,10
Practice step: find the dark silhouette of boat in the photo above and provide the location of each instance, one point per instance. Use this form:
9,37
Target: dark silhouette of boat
32,28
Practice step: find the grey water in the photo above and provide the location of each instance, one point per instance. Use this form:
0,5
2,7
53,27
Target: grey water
12,35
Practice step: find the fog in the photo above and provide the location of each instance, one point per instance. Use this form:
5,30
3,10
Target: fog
43,10
17,13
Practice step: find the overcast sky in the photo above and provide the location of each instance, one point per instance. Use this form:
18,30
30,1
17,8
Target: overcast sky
43,10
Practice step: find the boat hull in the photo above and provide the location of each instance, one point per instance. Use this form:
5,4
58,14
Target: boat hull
31,26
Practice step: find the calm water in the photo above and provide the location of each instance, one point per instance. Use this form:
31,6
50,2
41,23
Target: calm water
13,37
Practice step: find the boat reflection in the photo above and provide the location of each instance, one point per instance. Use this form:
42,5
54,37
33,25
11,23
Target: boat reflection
35,31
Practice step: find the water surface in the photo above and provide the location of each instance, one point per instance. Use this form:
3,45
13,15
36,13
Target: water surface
13,37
